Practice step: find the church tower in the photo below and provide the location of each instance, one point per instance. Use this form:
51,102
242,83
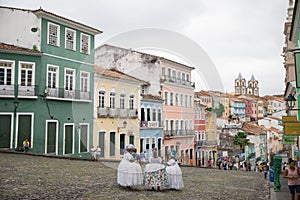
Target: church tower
240,85
253,88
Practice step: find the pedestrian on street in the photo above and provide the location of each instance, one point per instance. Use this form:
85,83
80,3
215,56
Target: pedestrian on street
98,153
93,153
26,145
292,174
265,170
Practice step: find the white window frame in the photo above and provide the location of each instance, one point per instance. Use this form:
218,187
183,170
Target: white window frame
112,100
131,102
101,99
56,73
122,101
65,79
87,78
73,40
58,34
33,73
5,71
81,43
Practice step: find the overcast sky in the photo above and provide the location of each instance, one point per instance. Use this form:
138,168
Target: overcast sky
239,36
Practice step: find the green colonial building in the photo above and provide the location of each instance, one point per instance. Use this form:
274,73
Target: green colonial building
46,82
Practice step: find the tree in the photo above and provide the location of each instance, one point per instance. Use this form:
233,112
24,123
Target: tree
219,110
240,139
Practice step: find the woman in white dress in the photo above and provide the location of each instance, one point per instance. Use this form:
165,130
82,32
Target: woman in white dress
174,173
129,171
155,172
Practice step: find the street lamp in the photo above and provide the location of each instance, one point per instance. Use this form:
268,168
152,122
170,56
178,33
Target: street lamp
124,126
291,101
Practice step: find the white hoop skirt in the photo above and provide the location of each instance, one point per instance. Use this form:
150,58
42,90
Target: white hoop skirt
174,174
129,173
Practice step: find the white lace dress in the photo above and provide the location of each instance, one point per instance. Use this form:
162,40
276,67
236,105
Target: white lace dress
129,173
174,175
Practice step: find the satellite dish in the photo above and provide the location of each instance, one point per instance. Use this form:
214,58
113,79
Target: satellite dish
34,29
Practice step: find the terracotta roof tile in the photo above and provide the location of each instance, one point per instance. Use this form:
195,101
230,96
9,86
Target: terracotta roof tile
152,97
15,49
113,73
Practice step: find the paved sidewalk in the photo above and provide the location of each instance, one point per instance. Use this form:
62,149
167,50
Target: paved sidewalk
284,193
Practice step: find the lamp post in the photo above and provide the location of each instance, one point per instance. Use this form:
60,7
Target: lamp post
291,102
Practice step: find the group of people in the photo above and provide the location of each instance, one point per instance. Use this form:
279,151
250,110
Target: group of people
155,176
96,153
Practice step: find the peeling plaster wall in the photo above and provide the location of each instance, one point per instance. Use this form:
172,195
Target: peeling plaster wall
142,66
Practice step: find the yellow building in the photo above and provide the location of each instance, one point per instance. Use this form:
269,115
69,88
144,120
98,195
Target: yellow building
116,123
211,137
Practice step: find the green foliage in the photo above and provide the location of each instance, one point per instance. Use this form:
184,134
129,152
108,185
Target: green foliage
219,110
240,139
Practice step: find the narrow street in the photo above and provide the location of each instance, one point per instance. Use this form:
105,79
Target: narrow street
35,177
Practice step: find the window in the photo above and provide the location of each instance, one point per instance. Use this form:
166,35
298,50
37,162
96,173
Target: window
148,114
166,125
85,44
112,100
52,76
53,34
159,117
84,82
69,79
70,42
101,99
190,101
131,102
131,139
166,98
6,72
147,143
178,76
176,99
163,73
173,75
26,76
153,114
122,101
186,101
183,77
188,78
153,141
171,99
181,100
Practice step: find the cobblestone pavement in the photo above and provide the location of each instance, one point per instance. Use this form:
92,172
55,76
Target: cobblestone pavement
37,177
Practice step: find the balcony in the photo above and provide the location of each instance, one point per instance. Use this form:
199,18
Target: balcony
116,112
102,112
7,90
21,91
149,124
200,143
167,79
133,113
68,94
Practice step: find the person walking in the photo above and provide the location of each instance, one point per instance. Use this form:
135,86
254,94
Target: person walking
98,153
292,174
265,170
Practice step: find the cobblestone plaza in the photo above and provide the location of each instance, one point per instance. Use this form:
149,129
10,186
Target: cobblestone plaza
36,177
